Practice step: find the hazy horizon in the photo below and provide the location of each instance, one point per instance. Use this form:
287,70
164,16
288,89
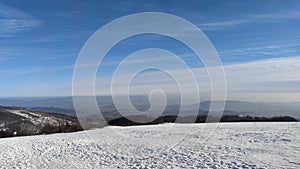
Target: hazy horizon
174,97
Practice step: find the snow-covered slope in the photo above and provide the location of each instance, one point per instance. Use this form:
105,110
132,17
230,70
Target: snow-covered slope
227,145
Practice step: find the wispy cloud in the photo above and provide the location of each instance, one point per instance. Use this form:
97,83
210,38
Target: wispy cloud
220,25
280,49
13,20
5,71
141,60
278,17
5,53
33,70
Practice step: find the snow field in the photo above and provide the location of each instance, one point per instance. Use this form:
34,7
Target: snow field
230,145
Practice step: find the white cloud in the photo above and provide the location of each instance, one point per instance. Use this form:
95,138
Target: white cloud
278,17
220,25
243,80
13,20
33,70
263,49
275,17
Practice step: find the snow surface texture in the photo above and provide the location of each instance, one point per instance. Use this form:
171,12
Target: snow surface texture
230,145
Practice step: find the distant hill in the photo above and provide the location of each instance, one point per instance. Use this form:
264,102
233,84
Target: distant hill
259,108
27,122
144,120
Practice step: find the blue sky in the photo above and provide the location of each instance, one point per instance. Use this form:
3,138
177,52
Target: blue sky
40,42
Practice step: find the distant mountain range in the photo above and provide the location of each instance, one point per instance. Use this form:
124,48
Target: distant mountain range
64,105
260,108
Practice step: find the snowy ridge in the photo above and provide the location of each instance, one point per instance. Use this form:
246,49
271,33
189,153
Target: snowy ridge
12,118
36,118
231,145
23,114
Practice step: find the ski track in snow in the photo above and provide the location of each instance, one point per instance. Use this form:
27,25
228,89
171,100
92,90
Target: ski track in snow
231,145
36,118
